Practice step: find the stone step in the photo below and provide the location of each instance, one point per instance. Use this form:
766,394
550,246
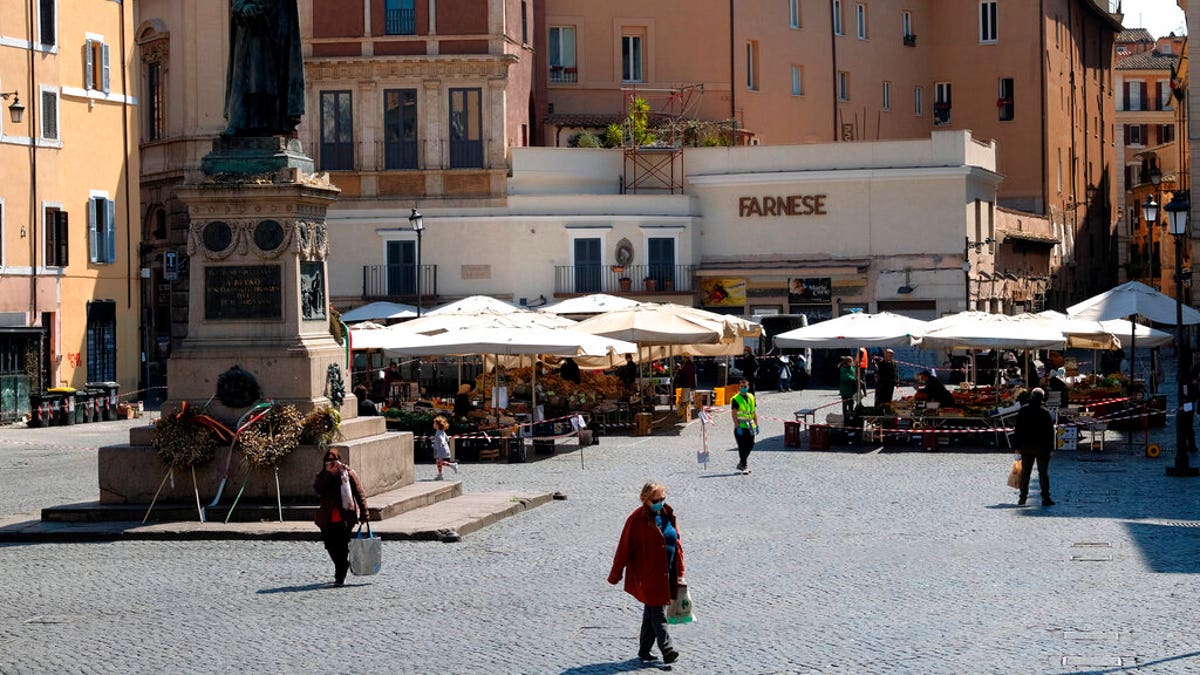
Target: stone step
439,521
383,506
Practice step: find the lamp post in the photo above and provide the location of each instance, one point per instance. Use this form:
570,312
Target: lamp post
418,225
1150,216
1177,211
1155,176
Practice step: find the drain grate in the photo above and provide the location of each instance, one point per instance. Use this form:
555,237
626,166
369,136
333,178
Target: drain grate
1092,636
1091,557
1091,544
1094,661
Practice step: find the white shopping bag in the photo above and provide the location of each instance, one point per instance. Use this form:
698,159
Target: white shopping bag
366,553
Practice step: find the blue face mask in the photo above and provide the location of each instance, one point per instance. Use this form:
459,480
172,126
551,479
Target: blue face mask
745,390
656,506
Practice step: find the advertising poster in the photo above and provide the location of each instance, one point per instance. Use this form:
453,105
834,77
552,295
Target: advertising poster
815,291
717,292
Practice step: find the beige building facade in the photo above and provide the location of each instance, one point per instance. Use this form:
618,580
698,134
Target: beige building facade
69,272
818,229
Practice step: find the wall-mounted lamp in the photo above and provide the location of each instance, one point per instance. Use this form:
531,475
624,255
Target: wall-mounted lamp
16,111
907,288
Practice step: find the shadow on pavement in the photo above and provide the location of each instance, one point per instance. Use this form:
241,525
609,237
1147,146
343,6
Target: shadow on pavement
626,666
300,589
1166,547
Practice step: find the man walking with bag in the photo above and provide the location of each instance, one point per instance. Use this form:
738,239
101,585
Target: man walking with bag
1035,437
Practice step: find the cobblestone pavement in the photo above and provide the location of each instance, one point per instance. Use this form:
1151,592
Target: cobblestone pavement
849,561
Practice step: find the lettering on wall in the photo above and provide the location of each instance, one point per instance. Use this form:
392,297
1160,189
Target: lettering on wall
243,292
476,271
791,205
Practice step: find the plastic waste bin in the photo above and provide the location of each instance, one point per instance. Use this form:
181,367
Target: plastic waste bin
110,398
63,404
40,413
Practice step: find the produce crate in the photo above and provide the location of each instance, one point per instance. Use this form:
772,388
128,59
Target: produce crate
792,434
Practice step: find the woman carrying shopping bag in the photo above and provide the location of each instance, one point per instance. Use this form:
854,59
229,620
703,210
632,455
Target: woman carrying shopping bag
343,504
650,557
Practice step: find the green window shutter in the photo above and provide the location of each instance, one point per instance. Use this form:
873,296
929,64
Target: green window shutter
93,234
110,230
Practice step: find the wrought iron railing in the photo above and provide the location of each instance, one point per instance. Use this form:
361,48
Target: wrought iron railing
564,74
400,22
398,281
652,278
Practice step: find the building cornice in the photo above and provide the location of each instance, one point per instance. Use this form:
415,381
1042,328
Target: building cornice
383,67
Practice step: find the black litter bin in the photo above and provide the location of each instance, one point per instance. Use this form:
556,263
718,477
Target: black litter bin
95,403
110,399
40,414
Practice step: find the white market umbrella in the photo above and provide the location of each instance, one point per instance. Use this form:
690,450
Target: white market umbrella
653,324
1081,333
596,303
856,329
1147,336
509,341
981,330
368,335
379,311
1128,299
475,304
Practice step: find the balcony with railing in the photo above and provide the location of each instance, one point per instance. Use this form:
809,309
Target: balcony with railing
398,282
400,22
652,278
564,74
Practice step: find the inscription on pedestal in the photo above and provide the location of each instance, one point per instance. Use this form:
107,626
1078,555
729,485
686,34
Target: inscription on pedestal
243,292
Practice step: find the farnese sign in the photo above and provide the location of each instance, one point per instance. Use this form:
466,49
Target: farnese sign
791,205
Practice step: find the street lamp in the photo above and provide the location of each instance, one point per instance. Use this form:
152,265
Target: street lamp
1177,211
418,225
15,111
1150,215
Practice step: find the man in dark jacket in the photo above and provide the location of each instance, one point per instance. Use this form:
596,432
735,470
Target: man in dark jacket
933,390
885,378
1035,438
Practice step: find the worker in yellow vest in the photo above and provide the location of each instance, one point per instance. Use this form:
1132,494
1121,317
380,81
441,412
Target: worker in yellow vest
745,423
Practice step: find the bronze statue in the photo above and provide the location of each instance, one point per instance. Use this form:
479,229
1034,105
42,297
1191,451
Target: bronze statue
264,86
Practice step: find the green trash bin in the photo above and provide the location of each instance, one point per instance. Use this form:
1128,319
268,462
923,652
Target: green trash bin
108,402
63,405
40,413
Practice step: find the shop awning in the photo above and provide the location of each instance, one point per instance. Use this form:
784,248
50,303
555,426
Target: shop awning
1031,237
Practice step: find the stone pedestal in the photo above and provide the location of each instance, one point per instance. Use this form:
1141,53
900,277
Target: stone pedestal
258,301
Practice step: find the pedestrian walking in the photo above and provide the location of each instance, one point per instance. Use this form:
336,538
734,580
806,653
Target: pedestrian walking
343,503
749,365
745,423
650,557
1035,438
785,373
441,446
886,377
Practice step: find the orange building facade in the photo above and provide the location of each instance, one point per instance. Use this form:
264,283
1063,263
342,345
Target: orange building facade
1035,77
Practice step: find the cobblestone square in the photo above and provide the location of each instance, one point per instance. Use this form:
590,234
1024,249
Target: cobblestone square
854,560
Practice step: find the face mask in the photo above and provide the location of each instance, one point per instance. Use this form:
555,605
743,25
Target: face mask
656,506
745,390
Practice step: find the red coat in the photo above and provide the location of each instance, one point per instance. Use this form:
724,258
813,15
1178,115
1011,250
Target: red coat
642,556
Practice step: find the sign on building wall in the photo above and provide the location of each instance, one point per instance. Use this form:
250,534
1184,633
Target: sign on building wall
715,292
815,290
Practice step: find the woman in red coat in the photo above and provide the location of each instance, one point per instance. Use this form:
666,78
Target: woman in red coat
651,558
343,503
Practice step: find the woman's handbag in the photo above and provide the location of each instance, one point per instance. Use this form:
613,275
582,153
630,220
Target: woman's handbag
680,609
1014,475
366,553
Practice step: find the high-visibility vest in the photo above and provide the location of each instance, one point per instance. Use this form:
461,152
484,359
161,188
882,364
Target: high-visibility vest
862,358
745,408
